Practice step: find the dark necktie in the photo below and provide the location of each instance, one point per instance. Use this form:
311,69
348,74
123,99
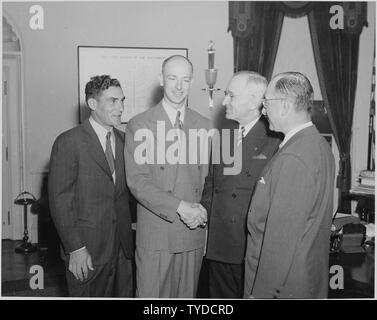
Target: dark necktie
109,153
178,123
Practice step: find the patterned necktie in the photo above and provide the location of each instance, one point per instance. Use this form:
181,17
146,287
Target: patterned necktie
109,153
178,123
241,135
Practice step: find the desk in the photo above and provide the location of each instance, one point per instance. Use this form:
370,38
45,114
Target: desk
365,205
358,274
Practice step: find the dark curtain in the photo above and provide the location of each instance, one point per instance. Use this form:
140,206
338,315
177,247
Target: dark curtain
256,29
336,56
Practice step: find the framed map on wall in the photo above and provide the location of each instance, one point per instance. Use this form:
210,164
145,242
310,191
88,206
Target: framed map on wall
137,70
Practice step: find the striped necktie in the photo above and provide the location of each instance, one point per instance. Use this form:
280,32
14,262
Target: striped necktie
241,135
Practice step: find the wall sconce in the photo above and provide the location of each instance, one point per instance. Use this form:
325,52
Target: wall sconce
211,74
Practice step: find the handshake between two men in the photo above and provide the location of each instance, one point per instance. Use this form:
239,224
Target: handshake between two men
193,215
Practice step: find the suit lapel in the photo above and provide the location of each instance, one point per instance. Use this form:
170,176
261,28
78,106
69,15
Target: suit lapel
255,139
161,115
189,122
95,148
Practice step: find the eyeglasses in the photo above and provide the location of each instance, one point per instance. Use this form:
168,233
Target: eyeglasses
266,102
231,95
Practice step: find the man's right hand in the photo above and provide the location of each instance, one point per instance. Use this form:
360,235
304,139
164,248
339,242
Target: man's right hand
80,262
192,214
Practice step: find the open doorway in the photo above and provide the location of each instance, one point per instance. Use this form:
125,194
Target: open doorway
12,138
12,224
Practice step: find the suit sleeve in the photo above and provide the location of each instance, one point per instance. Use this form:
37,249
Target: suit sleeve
291,192
61,188
142,184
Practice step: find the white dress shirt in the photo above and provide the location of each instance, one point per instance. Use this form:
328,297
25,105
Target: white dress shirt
172,112
248,127
101,134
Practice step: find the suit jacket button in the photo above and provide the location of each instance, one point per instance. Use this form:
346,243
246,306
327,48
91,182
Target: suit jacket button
234,195
196,190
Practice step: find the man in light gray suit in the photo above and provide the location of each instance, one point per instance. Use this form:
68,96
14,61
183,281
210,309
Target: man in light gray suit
169,236
290,213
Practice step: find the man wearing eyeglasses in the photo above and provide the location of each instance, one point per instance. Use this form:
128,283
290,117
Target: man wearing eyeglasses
227,197
290,213
89,199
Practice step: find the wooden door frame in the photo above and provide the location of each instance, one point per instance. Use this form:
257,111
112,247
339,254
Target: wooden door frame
16,138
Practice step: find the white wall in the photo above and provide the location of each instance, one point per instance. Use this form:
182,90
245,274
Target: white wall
50,60
50,57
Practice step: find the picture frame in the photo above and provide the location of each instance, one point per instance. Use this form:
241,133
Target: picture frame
136,68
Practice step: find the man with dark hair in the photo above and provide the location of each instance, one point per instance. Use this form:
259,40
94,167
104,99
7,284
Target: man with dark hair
289,219
169,239
89,199
97,84
227,197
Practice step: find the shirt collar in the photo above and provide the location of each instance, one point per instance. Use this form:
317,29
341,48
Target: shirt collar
172,112
249,126
292,132
99,130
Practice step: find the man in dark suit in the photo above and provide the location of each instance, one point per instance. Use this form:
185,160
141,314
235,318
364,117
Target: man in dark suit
290,214
227,196
89,198
169,239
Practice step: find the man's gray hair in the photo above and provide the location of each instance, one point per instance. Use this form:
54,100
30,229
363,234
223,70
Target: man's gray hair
296,86
253,78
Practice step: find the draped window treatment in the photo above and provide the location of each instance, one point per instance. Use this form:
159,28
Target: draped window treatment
256,40
256,29
336,53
